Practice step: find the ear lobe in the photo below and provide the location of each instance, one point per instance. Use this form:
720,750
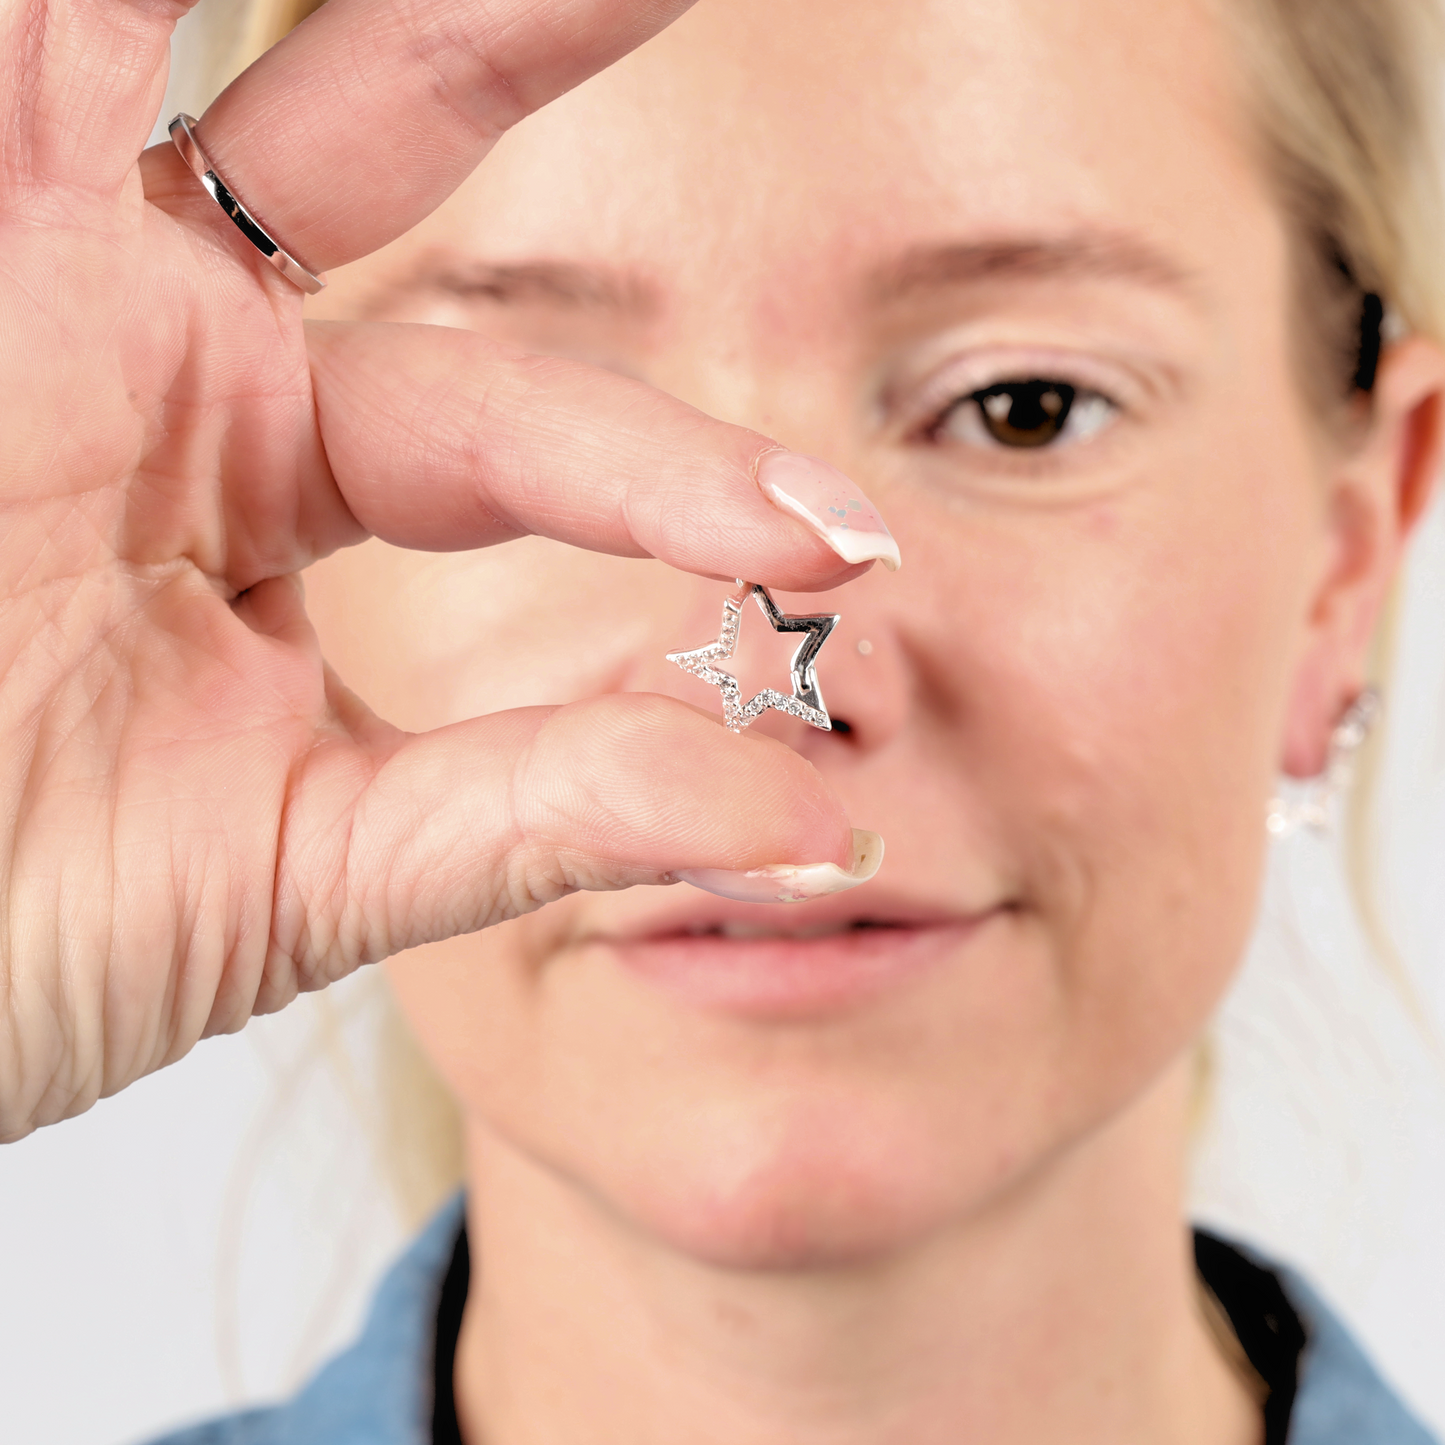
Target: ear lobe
1378,493
1312,712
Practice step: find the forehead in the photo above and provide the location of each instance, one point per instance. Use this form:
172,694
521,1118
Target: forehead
836,125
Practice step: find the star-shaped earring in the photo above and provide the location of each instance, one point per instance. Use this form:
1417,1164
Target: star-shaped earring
806,701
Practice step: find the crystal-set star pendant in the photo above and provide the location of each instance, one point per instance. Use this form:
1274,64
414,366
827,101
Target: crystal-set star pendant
806,701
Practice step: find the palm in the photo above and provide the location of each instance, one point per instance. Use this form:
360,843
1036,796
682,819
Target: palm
199,820
164,698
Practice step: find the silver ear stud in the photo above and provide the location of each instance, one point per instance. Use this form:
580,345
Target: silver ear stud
1316,809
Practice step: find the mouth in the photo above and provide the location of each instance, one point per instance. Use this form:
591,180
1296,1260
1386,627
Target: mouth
745,929
766,962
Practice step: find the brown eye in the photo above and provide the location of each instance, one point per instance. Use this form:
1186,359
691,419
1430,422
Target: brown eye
1024,413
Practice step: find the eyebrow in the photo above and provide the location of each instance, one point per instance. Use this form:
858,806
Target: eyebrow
1091,255
559,284
571,286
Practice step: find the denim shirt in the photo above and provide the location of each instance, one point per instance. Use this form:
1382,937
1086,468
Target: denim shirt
380,1391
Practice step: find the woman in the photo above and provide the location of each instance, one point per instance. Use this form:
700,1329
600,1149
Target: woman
1087,298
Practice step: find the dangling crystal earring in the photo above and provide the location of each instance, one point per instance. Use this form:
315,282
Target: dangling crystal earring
1316,809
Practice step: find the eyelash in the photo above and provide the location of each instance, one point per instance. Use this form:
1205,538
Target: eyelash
1021,414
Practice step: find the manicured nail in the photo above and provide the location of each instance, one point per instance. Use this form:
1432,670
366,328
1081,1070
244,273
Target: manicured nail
791,882
829,505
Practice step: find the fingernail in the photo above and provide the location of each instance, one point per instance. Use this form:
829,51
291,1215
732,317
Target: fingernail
791,882
828,505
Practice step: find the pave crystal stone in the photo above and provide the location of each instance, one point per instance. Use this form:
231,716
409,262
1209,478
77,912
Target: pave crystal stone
806,701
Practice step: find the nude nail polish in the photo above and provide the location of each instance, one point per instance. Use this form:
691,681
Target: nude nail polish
829,505
791,882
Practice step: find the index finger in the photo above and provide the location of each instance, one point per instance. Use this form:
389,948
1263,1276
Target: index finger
371,112
438,439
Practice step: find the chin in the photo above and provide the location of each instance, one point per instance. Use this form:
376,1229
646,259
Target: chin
789,1198
827,1176
814,1169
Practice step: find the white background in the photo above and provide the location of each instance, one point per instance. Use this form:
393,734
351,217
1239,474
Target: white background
204,1239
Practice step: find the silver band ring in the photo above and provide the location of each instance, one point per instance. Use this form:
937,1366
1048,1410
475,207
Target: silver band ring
191,152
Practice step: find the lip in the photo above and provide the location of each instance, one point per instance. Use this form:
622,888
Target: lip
762,962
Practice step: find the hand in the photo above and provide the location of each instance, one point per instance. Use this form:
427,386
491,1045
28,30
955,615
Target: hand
199,820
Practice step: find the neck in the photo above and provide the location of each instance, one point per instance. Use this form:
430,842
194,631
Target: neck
1067,1310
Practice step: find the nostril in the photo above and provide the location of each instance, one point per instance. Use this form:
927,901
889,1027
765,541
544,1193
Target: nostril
839,726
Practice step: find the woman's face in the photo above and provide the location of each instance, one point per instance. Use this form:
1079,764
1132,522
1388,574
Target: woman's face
841,224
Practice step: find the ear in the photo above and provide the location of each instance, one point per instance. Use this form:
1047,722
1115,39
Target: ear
1377,489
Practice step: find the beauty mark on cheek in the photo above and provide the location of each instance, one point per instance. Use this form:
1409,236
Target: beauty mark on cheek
829,505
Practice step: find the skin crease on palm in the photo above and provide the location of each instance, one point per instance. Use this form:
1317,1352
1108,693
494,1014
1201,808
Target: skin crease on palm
950,1210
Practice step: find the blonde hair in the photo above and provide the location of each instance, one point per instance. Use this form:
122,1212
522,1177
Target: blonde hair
1346,97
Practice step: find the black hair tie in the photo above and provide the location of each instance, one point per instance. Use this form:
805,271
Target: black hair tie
1372,322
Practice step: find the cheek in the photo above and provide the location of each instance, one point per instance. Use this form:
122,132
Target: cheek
429,639
476,1007
1118,677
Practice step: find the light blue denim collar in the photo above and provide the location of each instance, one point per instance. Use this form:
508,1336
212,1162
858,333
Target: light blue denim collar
377,1392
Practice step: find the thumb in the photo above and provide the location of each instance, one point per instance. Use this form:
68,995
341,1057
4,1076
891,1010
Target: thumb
450,831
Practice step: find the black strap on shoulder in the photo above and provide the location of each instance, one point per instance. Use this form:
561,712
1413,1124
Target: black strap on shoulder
450,1304
1265,1323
